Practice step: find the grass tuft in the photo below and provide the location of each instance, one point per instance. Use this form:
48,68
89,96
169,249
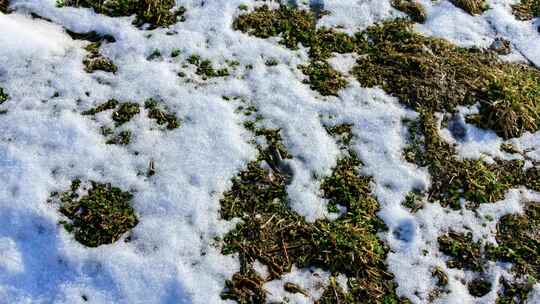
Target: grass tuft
94,61
155,13
162,117
473,7
3,96
101,216
463,251
435,74
526,9
412,8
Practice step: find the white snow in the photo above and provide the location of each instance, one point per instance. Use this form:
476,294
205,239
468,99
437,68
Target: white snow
45,143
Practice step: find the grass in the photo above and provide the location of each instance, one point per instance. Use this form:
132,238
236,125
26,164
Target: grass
518,241
94,61
435,74
479,287
463,251
125,112
155,13
205,67
3,96
99,217
526,9
455,179
473,7
4,4
412,8
298,27
273,234
162,117
108,105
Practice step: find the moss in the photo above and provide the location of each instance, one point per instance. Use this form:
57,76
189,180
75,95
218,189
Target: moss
463,251
3,96
99,217
434,74
154,55
162,117
109,105
273,234
526,9
323,78
479,287
156,13
412,8
473,7
175,53
94,61
518,240
125,113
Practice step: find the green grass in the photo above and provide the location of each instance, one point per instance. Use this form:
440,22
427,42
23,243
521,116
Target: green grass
473,7
125,112
412,8
298,27
156,13
3,96
162,117
273,234
526,9
435,74
205,67
95,61
99,217
463,251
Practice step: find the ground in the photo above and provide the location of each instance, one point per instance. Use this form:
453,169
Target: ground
245,151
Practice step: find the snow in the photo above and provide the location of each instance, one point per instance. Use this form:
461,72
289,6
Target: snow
45,143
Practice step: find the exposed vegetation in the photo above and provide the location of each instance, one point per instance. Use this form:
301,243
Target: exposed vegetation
155,13
323,78
513,293
3,96
205,67
434,74
463,251
95,61
125,112
109,105
526,9
518,238
296,27
412,8
479,287
4,4
454,179
162,117
96,217
273,234
473,7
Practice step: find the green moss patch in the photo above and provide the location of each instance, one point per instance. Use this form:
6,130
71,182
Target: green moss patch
526,9
109,105
100,216
156,13
435,74
513,292
473,7
412,8
94,61
162,117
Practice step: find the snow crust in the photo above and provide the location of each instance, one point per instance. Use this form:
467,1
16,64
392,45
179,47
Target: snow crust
45,143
